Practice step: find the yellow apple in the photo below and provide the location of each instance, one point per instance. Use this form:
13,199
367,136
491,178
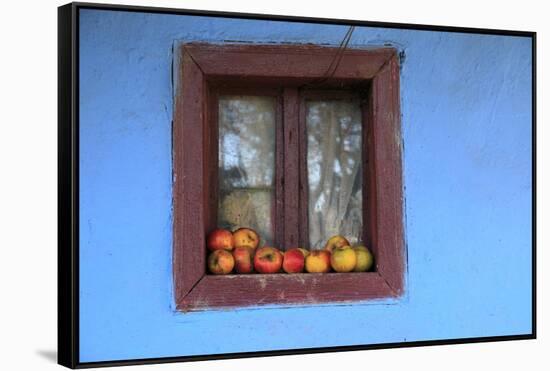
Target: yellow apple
365,259
336,241
246,237
343,259
318,261
221,262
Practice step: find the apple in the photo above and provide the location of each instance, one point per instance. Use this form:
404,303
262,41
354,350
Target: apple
243,259
336,241
304,251
365,259
220,239
221,262
318,261
293,261
268,260
343,259
246,237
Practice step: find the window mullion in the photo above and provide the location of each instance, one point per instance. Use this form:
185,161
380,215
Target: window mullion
291,168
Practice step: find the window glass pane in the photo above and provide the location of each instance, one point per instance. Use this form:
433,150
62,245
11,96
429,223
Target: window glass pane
247,163
334,170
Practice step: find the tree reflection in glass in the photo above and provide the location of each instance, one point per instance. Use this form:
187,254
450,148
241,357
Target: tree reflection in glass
334,170
246,163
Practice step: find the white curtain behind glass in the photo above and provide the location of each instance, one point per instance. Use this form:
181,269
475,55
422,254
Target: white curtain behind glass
334,170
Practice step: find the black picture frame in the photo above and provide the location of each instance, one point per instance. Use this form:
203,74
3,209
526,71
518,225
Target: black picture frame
68,184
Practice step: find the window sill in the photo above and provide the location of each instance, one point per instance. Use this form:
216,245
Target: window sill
241,290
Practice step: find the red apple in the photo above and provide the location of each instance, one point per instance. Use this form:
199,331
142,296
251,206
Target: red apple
221,262
220,239
246,237
293,261
318,261
268,260
243,259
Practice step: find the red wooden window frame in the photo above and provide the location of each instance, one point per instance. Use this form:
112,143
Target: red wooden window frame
289,72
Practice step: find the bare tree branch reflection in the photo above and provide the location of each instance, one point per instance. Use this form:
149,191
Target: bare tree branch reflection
246,163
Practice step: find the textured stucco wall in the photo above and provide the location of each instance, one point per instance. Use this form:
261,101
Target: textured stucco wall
466,107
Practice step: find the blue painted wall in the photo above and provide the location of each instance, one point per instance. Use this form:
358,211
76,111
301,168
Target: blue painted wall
466,105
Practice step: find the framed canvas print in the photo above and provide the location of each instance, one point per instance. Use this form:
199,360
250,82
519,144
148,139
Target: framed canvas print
236,185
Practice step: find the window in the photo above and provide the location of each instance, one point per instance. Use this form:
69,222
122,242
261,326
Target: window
308,156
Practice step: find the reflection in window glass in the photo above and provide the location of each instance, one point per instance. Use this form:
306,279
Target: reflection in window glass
247,163
334,170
